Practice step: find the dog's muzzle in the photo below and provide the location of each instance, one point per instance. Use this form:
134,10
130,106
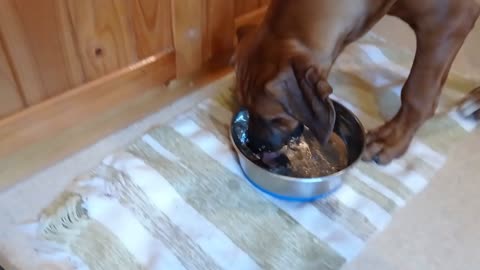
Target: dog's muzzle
259,146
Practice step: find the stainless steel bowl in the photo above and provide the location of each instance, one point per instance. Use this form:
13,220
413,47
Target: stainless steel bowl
347,126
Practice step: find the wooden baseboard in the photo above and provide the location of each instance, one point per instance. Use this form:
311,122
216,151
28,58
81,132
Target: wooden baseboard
49,132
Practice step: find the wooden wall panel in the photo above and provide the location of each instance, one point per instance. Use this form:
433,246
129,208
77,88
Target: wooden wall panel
53,46
202,29
187,17
103,35
18,48
10,99
219,28
43,28
152,22
71,55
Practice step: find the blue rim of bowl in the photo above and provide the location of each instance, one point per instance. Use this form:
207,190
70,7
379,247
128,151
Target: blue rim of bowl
291,198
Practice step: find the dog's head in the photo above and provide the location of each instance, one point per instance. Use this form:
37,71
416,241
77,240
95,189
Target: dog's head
282,91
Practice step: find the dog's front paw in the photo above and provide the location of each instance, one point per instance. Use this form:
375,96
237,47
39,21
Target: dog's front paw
387,142
470,106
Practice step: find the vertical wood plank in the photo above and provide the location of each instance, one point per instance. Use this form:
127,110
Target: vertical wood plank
18,47
103,35
10,98
152,22
219,28
187,17
71,55
45,32
202,29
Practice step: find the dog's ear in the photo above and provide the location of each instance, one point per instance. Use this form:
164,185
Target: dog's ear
244,30
304,95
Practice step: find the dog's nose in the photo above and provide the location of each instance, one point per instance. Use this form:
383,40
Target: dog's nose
260,146
273,143
298,131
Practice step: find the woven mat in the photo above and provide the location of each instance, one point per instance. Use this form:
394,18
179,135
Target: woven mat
177,199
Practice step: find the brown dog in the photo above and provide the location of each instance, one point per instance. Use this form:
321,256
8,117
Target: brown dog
282,66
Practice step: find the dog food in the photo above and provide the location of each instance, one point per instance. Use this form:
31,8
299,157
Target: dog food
305,157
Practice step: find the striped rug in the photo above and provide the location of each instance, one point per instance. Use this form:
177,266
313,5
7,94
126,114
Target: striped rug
176,198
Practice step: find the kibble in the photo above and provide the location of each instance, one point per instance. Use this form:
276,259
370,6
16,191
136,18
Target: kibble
308,158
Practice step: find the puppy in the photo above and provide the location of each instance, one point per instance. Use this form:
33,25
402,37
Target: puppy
282,66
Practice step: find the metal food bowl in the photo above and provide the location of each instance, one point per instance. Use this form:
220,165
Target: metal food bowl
347,126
